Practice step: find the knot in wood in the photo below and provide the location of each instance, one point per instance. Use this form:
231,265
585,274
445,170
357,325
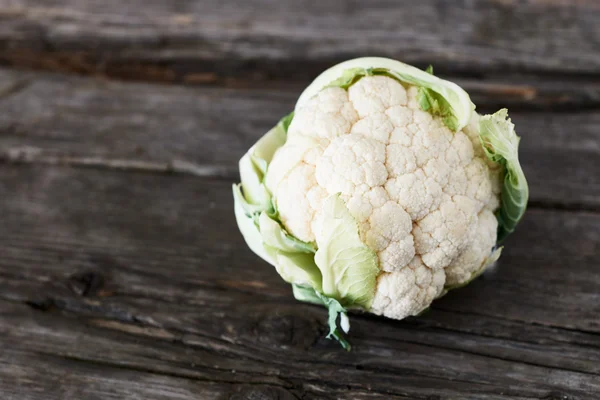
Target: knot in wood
86,283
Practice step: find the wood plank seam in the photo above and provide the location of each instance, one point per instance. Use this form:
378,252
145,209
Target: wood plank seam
177,335
32,155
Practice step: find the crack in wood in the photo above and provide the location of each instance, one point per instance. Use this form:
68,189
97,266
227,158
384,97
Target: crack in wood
14,88
32,155
148,369
478,314
322,382
172,334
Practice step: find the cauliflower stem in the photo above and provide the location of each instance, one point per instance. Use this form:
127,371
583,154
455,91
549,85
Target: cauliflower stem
335,309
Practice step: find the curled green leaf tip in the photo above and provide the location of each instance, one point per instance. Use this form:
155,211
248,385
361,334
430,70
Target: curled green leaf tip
336,311
501,144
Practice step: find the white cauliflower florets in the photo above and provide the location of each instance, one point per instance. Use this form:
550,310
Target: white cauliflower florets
462,268
422,195
408,291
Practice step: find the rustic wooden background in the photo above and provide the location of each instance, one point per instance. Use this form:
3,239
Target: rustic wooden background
123,276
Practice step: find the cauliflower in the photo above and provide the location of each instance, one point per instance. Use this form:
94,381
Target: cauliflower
383,190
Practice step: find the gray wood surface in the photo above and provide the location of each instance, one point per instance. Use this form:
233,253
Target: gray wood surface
144,272
139,269
63,119
123,275
199,41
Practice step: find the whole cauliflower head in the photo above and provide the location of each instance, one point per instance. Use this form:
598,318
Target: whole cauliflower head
383,190
422,195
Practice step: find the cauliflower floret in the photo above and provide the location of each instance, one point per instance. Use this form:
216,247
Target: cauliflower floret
442,234
296,197
375,94
479,186
389,235
352,163
329,114
418,194
474,255
422,195
472,132
377,126
408,291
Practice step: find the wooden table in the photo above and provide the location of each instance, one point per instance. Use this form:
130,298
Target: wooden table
123,275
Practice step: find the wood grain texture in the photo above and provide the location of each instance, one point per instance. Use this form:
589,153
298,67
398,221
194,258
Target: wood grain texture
147,273
123,274
70,378
201,41
204,131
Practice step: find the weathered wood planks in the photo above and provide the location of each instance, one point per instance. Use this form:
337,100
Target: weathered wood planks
60,119
147,272
122,274
201,41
